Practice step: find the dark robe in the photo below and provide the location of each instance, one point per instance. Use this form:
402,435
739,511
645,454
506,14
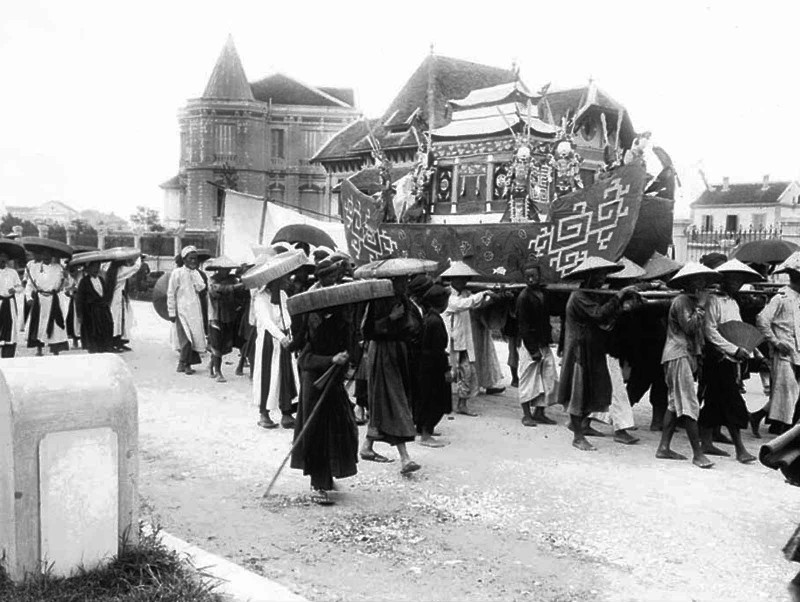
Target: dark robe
436,396
638,341
222,332
533,321
414,347
585,385
329,449
94,312
389,389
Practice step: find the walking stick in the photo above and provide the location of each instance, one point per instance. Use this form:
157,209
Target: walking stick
326,382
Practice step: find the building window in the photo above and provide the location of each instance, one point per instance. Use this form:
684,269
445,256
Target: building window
759,221
731,223
708,222
277,143
224,141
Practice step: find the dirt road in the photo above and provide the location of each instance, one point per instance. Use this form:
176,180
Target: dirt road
504,512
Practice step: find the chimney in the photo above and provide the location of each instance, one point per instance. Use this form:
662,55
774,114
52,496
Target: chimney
765,184
726,184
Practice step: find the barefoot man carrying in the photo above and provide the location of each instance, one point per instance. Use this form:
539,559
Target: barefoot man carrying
681,360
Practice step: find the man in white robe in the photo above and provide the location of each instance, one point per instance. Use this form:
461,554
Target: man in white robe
121,307
47,317
183,307
10,287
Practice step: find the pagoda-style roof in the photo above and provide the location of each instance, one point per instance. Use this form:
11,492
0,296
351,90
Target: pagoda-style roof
515,91
228,80
495,119
436,81
281,89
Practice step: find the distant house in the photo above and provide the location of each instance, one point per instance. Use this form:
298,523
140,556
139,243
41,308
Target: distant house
51,212
744,206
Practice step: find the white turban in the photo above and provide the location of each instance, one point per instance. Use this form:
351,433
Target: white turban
186,250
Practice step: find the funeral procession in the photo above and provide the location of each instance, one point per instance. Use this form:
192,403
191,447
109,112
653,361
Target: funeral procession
432,302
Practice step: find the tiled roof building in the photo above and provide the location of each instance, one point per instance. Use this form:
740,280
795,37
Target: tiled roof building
254,137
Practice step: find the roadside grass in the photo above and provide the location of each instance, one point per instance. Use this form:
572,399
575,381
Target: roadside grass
147,572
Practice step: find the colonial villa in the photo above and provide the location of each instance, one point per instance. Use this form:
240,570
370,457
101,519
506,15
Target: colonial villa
747,206
256,138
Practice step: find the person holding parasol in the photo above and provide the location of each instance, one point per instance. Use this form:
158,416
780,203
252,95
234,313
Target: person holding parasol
47,317
720,391
10,287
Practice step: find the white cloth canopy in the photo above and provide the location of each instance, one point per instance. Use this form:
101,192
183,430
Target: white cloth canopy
250,220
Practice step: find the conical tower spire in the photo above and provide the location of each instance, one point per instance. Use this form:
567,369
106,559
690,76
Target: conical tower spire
228,81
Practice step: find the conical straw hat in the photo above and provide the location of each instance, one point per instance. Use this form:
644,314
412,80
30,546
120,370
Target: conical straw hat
223,262
592,265
459,269
692,269
629,271
792,263
339,294
734,266
660,266
274,268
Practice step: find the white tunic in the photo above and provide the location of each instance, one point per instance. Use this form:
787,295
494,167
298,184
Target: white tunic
9,281
183,303
271,320
48,281
121,311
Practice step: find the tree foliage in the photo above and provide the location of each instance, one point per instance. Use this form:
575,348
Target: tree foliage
147,218
8,222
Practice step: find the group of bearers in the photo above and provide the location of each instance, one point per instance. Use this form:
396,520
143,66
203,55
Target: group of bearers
702,370
402,352
54,301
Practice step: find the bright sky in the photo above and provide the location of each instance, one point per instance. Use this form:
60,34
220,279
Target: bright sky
91,90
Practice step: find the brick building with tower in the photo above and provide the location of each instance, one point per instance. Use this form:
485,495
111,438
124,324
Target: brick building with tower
256,138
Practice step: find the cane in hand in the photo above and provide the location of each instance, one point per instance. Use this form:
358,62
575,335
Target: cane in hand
325,382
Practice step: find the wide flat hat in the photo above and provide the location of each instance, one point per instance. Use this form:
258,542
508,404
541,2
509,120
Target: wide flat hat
792,263
629,271
593,265
660,266
223,262
459,269
273,268
692,269
734,266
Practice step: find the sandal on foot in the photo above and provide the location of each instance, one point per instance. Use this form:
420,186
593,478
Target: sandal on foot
321,498
410,467
375,457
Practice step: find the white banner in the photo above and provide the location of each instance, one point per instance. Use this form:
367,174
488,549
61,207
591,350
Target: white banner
248,222
241,226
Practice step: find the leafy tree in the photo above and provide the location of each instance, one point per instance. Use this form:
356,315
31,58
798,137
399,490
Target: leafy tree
147,218
8,222
83,227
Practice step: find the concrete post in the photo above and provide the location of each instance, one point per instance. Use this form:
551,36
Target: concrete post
680,238
71,232
68,463
44,229
102,232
